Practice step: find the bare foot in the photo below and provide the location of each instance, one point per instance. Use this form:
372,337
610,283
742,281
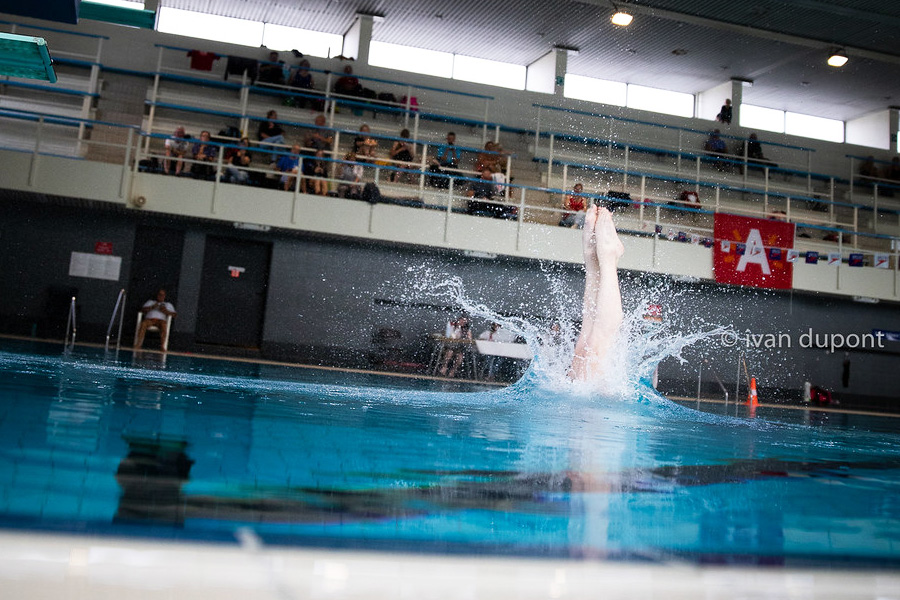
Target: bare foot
609,246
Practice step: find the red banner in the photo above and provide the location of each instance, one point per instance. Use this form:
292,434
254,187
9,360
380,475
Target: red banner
752,252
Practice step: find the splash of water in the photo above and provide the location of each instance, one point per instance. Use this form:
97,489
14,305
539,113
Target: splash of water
642,344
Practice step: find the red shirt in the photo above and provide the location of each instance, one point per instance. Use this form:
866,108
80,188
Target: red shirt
575,202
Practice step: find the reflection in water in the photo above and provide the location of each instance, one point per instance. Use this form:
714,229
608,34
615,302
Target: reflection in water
151,477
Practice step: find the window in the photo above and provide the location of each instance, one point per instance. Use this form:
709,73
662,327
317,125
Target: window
490,72
414,60
766,119
580,87
210,27
818,128
314,43
661,101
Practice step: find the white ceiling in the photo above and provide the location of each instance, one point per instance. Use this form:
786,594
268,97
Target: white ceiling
781,45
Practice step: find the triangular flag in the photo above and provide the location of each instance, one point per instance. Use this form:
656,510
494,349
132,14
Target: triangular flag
725,245
856,259
882,261
834,259
793,255
812,258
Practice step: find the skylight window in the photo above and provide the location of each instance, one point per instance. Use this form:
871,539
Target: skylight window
490,72
210,27
818,128
313,43
413,60
580,87
758,117
660,101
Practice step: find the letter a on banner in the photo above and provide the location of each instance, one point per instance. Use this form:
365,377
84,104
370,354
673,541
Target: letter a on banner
758,266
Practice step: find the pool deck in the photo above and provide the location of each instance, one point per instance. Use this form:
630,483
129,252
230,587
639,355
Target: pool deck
59,566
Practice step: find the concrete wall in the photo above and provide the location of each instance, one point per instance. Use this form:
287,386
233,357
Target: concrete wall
328,295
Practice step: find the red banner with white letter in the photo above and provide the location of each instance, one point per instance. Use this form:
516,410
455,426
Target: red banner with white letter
752,252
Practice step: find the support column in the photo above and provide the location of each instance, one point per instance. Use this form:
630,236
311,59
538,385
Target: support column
894,127
358,38
547,74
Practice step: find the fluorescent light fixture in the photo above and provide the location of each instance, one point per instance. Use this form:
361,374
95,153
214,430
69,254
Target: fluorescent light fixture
837,59
621,18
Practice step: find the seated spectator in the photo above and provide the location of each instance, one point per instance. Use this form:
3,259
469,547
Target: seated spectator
482,188
351,178
176,146
289,165
495,333
206,154
725,112
893,170
458,329
319,138
156,314
270,132
715,144
499,178
447,156
237,161
576,203
754,149
348,85
302,78
314,174
488,158
272,71
403,152
364,144
868,167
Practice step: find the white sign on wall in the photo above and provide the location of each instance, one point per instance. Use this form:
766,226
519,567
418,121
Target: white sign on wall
95,266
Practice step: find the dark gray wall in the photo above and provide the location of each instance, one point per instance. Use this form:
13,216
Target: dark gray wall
328,296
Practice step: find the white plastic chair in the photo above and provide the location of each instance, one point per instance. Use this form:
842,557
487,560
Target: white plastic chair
165,340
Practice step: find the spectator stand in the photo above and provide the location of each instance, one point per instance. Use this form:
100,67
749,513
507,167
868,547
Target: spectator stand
77,65
880,193
672,146
654,189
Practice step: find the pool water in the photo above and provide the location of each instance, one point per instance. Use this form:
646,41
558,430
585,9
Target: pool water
199,449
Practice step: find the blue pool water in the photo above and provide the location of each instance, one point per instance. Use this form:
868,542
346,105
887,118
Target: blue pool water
198,449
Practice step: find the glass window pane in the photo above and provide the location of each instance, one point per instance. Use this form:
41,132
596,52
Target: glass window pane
313,43
757,117
661,101
490,72
210,27
818,128
413,60
595,90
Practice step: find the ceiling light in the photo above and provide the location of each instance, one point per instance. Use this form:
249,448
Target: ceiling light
621,18
837,59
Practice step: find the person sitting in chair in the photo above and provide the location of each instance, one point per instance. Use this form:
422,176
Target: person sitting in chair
156,312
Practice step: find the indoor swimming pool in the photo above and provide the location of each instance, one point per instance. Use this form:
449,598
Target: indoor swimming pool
199,450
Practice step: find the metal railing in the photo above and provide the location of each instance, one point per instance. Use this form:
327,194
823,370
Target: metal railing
119,309
71,327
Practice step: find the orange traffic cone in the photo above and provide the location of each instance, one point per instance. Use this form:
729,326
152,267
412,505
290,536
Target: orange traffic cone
752,399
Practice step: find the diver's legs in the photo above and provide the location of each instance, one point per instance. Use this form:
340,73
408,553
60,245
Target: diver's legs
602,307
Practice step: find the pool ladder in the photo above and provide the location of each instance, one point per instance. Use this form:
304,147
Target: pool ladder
71,327
120,310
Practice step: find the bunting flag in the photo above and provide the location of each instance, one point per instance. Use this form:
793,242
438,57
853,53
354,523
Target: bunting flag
882,261
834,259
793,255
812,258
751,263
856,260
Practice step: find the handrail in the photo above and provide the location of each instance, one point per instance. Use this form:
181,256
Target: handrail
79,120
71,325
663,126
701,183
303,125
120,303
79,33
365,77
50,88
